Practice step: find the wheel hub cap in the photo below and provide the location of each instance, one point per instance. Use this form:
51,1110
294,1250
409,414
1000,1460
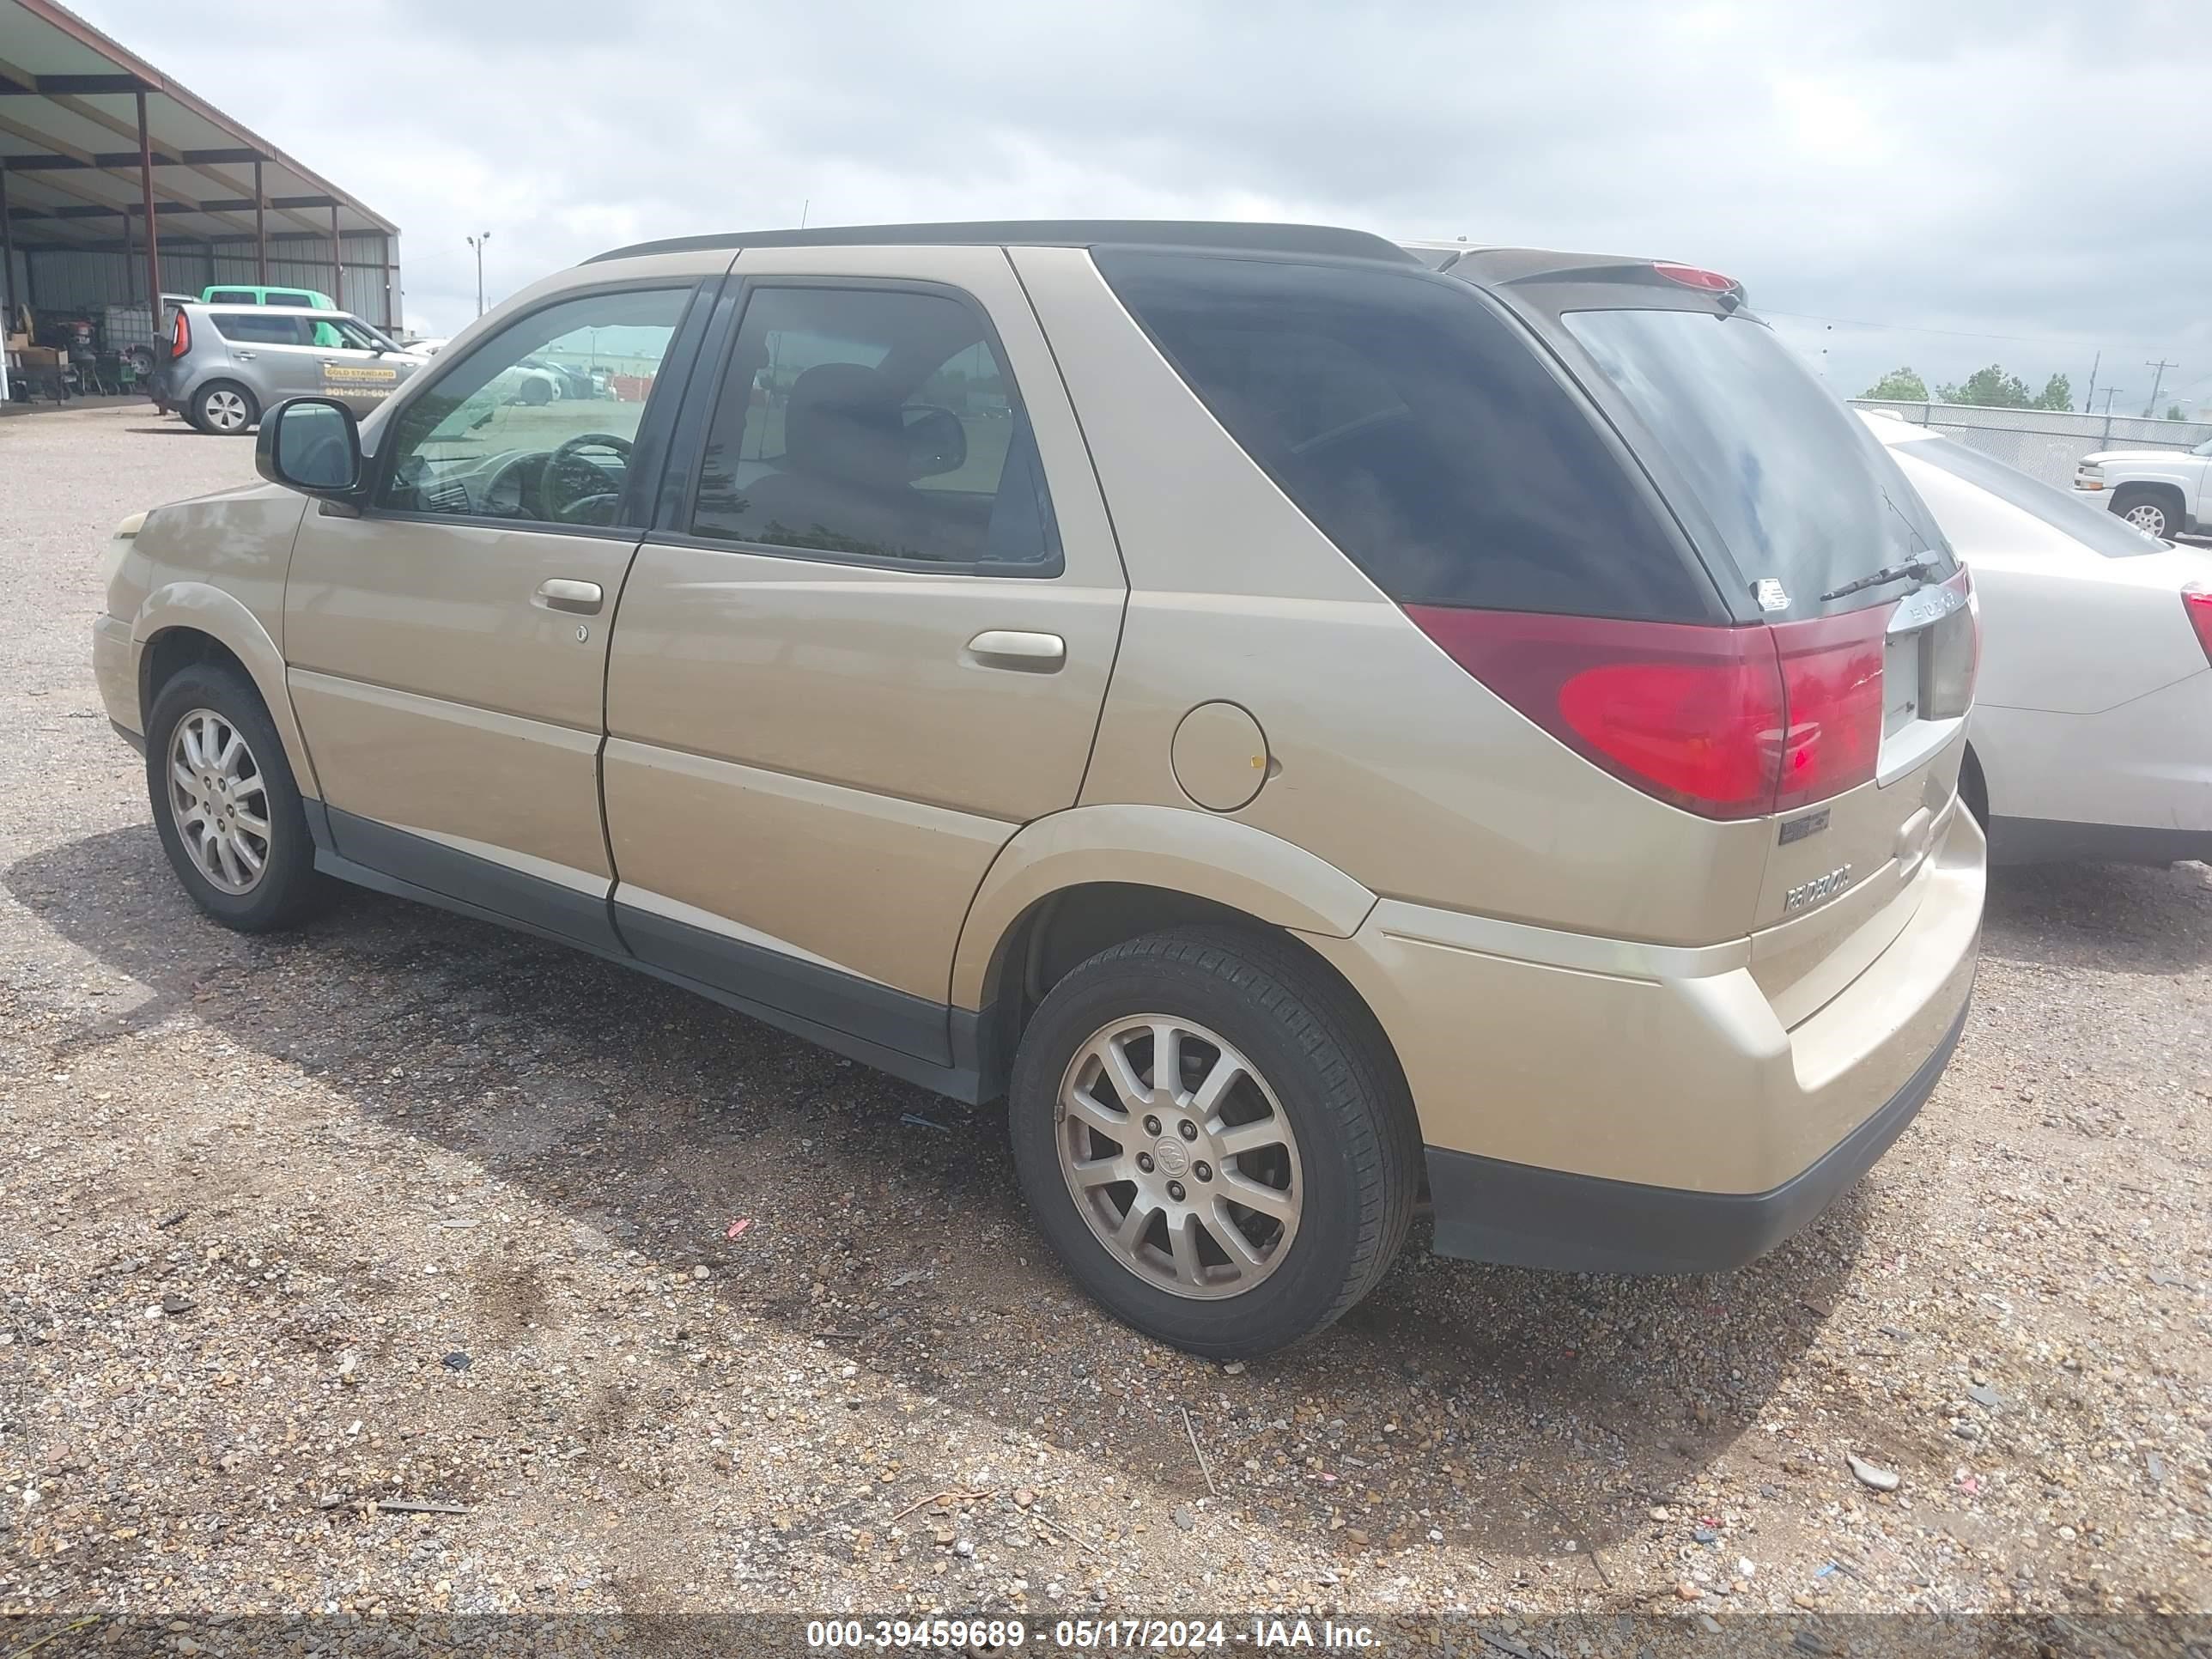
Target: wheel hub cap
219,801
1205,1205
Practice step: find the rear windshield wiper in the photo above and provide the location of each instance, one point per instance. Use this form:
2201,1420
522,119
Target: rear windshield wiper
1911,569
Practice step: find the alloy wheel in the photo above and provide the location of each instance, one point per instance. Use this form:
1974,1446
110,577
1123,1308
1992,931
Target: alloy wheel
1179,1157
219,801
226,411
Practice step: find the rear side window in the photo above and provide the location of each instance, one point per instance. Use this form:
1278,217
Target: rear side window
233,296
286,297
257,328
1418,431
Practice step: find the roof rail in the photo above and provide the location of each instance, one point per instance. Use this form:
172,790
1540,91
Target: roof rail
1227,236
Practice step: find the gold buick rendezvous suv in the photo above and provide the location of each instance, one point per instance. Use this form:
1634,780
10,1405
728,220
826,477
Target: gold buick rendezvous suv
1313,725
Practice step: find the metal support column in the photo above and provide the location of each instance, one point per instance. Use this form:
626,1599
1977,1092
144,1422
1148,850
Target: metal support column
6,280
261,229
129,276
337,261
153,230
8,300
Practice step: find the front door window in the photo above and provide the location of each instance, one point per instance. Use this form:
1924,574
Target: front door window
536,422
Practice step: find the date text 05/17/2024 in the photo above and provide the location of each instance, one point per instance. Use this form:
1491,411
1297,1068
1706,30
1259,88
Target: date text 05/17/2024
1163,1635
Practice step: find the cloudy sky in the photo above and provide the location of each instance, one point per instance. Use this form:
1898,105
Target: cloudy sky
1896,181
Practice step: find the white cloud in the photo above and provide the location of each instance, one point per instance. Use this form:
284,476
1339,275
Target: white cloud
1982,168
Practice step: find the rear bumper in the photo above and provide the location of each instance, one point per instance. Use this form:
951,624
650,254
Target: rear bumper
1490,1210
1590,1103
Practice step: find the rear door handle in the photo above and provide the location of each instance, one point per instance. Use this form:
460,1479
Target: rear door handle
1024,653
560,593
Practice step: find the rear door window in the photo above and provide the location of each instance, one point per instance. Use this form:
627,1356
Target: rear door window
874,425
260,328
1800,493
1419,430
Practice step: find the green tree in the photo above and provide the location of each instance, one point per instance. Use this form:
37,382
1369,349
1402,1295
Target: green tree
1990,388
2173,412
2058,393
1899,385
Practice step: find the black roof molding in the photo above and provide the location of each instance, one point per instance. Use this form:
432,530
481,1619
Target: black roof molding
1225,236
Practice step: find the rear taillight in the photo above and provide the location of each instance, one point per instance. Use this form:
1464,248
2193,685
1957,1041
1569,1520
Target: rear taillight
1725,722
2197,601
1955,655
181,337
1832,686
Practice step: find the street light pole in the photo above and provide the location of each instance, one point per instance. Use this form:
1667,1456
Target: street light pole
477,242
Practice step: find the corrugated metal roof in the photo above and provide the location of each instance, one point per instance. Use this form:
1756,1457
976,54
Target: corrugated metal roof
69,139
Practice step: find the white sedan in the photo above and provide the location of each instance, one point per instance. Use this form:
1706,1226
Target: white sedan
2092,731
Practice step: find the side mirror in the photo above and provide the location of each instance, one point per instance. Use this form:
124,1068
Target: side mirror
936,442
312,445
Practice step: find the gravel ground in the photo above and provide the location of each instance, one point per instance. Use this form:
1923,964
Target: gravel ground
407,1210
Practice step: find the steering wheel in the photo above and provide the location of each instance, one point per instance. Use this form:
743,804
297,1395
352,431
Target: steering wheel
573,490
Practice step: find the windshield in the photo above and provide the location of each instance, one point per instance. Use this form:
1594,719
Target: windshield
2094,527
2204,448
1801,493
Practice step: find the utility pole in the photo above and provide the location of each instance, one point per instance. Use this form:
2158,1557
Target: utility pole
477,242
2161,366
2090,398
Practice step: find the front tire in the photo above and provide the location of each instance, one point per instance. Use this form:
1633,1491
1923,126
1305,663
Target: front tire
1256,1192
226,806
2149,511
224,409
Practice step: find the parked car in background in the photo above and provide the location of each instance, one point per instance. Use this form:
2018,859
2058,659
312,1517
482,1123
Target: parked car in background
2163,492
1218,744
298,299
2092,736
302,298
430,347
226,365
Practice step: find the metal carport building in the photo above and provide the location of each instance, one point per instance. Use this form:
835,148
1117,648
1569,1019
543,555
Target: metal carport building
117,185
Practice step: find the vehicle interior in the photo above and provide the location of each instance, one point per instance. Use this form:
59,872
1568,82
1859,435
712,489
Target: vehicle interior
855,454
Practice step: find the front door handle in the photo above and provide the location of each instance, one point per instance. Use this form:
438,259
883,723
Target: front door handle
243,356
559,594
1024,653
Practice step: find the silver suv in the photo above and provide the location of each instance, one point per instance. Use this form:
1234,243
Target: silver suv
226,364
1311,726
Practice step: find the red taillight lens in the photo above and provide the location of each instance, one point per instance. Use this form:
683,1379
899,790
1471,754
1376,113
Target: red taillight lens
2197,601
181,336
1725,722
1690,714
1832,686
1690,276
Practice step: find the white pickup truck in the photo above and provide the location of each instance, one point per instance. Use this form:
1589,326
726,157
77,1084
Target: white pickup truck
2164,492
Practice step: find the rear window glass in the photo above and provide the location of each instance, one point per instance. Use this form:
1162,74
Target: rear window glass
260,327
1800,492
2094,527
1418,431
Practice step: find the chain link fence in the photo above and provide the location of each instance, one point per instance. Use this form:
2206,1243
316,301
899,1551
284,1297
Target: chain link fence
2043,443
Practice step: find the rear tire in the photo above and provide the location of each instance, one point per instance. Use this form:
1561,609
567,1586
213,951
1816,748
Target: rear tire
1313,1125
226,806
224,409
1975,788
2149,510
